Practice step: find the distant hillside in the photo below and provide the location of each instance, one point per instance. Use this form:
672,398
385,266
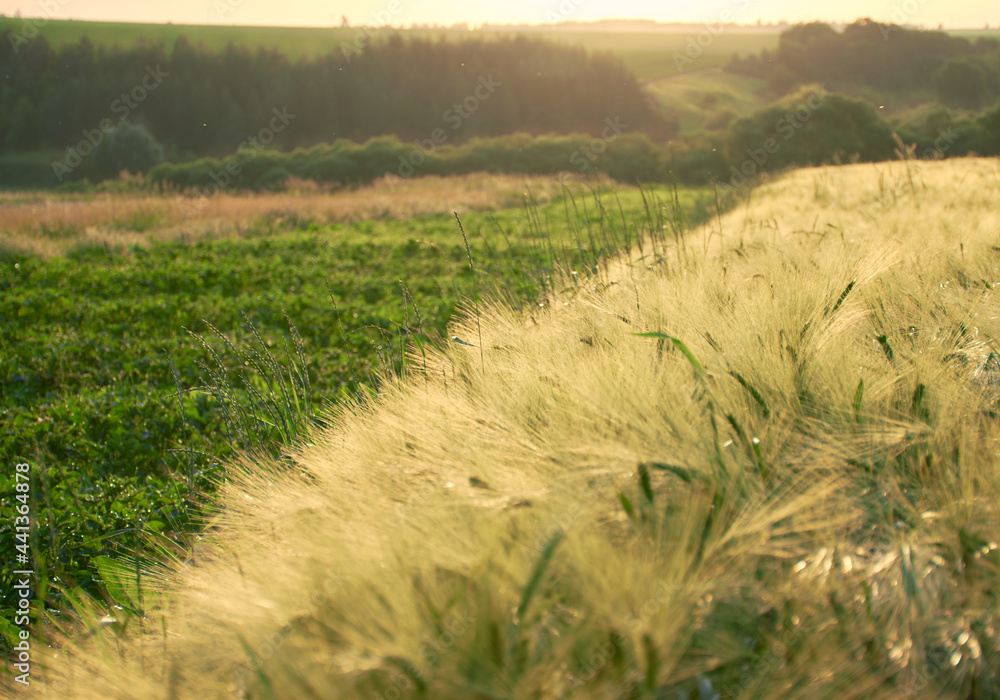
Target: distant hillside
646,48
641,26
884,59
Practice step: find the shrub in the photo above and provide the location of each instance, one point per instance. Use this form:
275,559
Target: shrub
274,179
699,166
990,124
127,147
960,83
940,133
811,127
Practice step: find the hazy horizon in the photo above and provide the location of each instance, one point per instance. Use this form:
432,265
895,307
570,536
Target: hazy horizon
960,14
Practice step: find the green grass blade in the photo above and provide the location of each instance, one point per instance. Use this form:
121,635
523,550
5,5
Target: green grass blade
843,295
859,395
685,475
756,395
644,482
536,575
627,505
679,344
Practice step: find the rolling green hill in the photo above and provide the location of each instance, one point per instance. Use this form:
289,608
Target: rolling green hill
698,96
649,54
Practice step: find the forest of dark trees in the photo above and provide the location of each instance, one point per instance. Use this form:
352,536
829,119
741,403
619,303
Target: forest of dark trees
884,59
197,102
190,117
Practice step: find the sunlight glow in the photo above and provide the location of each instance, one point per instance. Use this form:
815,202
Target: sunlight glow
955,14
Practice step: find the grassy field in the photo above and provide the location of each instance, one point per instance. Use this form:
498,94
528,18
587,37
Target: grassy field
126,417
649,55
47,225
653,55
787,488
703,95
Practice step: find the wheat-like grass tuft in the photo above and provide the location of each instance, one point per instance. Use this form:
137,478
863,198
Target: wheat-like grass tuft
788,488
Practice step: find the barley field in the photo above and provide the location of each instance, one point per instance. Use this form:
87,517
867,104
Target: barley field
757,461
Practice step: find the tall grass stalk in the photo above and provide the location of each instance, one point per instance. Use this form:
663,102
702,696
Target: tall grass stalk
472,269
261,398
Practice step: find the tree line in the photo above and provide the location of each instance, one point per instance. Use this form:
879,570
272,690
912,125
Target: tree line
884,59
196,102
809,127
403,108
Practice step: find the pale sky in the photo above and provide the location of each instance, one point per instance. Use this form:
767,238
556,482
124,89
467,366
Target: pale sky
951,13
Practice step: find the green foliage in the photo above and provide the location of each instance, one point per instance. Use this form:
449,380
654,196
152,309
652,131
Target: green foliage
960,83
700,165
940,133
126,418
274,179
990,123
207,102
648,54
809,128
889,59
128,147
525,86
629,157
263,399
28,170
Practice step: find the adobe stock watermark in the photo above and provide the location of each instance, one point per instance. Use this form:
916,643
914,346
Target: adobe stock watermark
785,128
942,144
364,34
269,647
772,660
591,664
900,15
247,150
562,522
123,105
696,45
29,27
452,628
583,158
642,614
224,7
454,117
564,11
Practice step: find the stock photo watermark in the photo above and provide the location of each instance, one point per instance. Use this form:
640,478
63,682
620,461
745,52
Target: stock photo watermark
451,629
246,152
942,144
563,521
901,14
589,665
364,34
29,27
123,106
785,128
566,10
454,117
697,45
269,647
22,572
583,158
